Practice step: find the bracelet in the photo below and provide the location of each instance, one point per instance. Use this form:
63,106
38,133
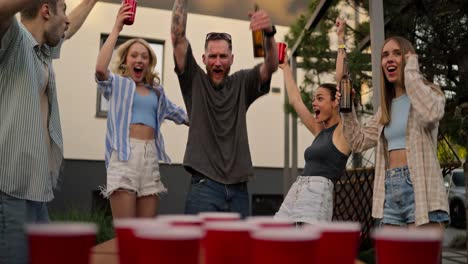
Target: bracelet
342,46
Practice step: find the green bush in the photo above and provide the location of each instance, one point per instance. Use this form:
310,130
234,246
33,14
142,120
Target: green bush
100,217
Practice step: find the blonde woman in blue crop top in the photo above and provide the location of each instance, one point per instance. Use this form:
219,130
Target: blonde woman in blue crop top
137,107
408,185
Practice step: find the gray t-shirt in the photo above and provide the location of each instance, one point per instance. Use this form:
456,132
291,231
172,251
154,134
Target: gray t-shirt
218,145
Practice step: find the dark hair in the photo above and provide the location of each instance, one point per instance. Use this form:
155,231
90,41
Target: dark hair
33,9
331,88
218,36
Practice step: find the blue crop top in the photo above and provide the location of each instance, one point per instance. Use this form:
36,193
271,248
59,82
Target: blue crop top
395,131
144,109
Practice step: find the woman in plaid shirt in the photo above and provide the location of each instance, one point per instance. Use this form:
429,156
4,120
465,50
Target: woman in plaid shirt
408,185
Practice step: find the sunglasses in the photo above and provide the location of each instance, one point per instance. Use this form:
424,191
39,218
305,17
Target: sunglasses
218,35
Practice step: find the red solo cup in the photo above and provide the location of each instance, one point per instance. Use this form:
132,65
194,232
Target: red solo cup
60,242
169,245
127,243
405,246
219,216
181,220
345,234
227,242
133,5
269,222
281,51
284,245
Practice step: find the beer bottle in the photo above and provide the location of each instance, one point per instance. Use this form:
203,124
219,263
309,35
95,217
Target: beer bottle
258,41
345,87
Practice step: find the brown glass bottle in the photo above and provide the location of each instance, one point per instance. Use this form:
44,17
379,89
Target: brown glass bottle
258,41
345,88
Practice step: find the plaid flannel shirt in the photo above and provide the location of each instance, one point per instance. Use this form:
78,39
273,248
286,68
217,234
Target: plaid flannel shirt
427,108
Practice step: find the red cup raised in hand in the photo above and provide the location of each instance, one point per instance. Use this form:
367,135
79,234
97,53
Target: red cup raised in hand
281,51
133,4
58,243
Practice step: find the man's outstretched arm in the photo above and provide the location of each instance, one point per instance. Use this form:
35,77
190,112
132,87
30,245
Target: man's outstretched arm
178,27
260,20
78,16
8,8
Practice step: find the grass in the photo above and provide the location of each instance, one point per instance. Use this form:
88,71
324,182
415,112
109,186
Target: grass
100,217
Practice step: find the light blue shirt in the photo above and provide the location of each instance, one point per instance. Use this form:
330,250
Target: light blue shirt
145,109
25,170
119,91
395,131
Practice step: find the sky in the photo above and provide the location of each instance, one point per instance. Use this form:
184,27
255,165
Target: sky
282,12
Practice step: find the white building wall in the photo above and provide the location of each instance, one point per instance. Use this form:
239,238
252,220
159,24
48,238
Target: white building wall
84,133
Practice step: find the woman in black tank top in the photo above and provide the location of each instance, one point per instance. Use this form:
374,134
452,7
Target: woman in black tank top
310,198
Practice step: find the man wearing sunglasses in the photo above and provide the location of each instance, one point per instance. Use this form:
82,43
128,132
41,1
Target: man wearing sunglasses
217,153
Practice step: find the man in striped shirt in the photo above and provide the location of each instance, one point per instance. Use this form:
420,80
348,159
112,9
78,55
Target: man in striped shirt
31,147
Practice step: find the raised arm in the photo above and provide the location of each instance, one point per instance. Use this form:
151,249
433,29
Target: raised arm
178,27
78,16
427,100
260,20
105,54
295,100
340,34
8,8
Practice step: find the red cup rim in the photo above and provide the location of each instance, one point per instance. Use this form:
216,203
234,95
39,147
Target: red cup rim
339,226
62,228
267,220
409,235
174,233
180,218
134,223
229,226
219,215
285,234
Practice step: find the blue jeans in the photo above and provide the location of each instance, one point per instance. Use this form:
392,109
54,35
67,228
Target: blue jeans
14,214
206,195
399,205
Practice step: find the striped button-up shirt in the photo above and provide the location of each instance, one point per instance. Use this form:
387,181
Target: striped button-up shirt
119,91
25,171
427,108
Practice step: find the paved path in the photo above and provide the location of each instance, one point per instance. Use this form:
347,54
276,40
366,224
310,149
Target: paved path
452,256
449,255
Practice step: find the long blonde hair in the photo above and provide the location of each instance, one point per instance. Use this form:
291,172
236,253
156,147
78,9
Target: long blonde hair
387,89
119,66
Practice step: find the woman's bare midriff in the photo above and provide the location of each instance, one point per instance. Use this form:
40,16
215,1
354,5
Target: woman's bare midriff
397,158
142,132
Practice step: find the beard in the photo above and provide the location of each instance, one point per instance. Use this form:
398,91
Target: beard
220,84
52,39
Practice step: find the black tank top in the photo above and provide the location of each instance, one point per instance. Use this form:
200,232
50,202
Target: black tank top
322,158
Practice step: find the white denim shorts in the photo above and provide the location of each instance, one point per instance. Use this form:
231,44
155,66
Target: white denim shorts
309,200
140,174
